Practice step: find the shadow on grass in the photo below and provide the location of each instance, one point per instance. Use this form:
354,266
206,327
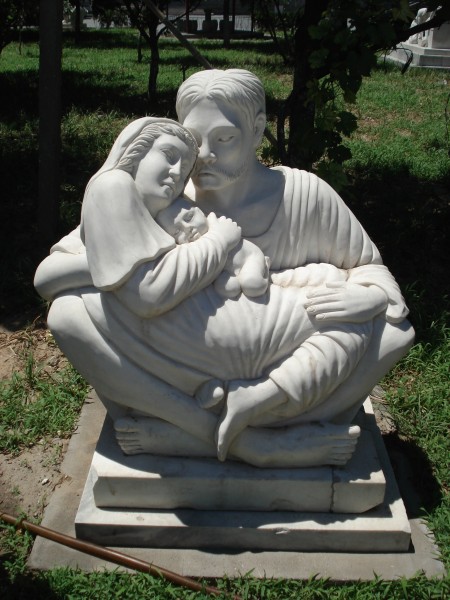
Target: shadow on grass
79,89
414,473
84,91
408,220
22,86
25,586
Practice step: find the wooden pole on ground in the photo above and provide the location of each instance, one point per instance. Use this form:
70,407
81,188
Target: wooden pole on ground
118,558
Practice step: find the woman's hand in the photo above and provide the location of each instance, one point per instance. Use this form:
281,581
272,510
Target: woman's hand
346,302
228,229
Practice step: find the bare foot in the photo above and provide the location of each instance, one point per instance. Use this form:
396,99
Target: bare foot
210,393
308,445
146,435
245,401
296,446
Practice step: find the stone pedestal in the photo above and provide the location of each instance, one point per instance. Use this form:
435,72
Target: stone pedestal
160,482
421,56
166,502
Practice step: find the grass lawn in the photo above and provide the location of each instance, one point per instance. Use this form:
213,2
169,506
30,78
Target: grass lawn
399,189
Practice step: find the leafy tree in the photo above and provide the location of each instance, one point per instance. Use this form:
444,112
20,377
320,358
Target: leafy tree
109,12
278,18
150,28
14,15
331,46
147,23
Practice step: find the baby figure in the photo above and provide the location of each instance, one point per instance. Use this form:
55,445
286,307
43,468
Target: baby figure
246,269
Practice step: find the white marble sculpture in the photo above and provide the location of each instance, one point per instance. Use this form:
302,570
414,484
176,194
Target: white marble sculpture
437,38
173,317
422,16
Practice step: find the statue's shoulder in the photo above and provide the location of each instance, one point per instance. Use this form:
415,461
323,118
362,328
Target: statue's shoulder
292,173
297,182
306,185
110,182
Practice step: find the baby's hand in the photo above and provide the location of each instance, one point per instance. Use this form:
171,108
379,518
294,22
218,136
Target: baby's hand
227,286
228,229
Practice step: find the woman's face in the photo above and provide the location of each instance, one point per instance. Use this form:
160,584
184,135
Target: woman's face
162,172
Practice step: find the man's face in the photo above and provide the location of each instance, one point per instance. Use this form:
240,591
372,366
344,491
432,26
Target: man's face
227,144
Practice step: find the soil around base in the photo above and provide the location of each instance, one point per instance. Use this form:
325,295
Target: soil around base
28,478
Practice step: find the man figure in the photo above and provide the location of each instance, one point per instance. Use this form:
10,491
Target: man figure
295,218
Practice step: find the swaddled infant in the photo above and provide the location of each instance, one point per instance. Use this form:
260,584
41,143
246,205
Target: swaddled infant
246,269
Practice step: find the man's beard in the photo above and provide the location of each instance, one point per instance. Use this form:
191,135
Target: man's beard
233,175
230,176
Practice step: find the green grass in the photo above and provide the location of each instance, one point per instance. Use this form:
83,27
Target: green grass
71,583
36,405
400,185
402,123
418,395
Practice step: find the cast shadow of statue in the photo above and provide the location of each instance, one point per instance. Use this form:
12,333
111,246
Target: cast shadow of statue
410,226
419,488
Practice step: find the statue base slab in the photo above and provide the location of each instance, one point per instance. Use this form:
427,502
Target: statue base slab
383,528
437,58
162,482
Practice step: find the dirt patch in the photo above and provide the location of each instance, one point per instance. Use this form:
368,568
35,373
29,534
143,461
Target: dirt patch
28,479
16,348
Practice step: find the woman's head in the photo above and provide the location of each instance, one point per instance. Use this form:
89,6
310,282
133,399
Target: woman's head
160,158
142,143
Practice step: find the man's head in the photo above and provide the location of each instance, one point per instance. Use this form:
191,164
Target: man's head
226,111
237,88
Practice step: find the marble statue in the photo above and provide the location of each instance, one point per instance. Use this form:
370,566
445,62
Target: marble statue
423,15
217,306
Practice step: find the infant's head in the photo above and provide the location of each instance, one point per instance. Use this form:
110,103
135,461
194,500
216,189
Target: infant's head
184,221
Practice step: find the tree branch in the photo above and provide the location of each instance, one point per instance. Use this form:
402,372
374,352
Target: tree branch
433,23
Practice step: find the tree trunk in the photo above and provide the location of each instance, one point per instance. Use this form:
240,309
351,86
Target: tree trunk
299,109
139,48
226,23
187,8
154,65
50,52
77,22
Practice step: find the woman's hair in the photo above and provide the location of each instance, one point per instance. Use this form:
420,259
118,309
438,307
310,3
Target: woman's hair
144,141
237,88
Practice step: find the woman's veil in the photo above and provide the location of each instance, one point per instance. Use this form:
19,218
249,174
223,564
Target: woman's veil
117,229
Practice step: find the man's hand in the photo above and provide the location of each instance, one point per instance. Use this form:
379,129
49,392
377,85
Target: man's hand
346,302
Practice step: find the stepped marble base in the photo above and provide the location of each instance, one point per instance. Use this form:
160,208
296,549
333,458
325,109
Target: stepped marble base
114,479
438,58
161,482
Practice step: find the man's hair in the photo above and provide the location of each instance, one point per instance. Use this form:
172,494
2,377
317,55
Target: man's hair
144,141
237,88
